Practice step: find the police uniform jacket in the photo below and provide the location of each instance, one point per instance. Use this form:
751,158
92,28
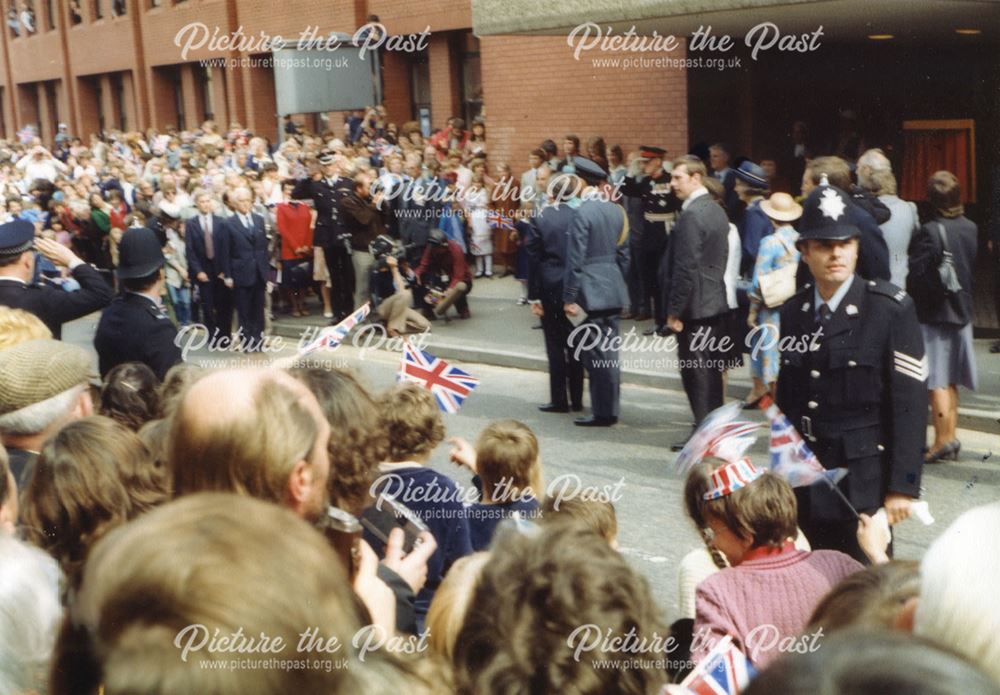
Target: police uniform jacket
596,258
326,200
135,329
55,306
858,391
546,248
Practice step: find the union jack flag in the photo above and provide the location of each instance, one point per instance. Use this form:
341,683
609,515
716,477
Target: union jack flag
725,671
449,385
720,434
791,457
500,219
330,337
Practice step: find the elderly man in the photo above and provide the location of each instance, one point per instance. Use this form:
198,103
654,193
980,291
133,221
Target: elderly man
244,256
855,383
43,385
53,306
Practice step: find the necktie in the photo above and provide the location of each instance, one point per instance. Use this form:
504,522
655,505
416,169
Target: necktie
206,224
824,312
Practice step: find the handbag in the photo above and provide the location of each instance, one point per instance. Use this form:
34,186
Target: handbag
778,285
946,268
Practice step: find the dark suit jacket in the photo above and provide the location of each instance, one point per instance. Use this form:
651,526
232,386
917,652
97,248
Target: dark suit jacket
243,252
595,262
55,306
925,254
699,247
133,329
548,234
194,246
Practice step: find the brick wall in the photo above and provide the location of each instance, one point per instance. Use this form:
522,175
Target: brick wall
444,81
534,89
396,81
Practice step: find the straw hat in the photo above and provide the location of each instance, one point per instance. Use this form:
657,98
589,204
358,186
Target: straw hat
781,207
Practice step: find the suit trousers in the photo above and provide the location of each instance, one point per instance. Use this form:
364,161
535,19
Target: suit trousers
341,269
362,261
216,307
831,534
649,276
632,278
250,314
565,370
600,358
702,364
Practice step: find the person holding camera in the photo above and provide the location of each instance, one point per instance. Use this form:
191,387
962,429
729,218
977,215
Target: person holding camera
390,290
444,276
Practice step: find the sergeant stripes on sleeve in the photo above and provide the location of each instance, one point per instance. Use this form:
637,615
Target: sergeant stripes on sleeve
911,367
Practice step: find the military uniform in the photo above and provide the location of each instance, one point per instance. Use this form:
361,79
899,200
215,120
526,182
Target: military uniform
659,209
326,194
50,304
853,383
135,328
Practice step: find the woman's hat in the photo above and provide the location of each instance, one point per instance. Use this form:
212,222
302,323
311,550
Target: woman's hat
730,478
751,174
781,207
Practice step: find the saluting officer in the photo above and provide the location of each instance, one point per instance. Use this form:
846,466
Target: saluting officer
659,208
596,261
548,234
852,379
332,265
136,328
52,305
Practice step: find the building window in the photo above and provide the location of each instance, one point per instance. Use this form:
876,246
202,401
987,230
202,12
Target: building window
155,3
118,89
420,88
50,15
21,18
118,8
75,12
472,78
204,76
98,9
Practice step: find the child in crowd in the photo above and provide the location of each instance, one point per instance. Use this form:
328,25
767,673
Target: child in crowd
771,587
411,423
597,515
507,473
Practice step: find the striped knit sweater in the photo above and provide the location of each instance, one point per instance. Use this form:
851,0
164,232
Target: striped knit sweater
762,601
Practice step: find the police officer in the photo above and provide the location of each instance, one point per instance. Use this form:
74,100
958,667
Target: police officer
52,305
136,328
326,188
659,207
852,379
547,235
596,263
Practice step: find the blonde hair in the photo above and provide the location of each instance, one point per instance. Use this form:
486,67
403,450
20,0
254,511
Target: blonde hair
451,602
19,326
507,450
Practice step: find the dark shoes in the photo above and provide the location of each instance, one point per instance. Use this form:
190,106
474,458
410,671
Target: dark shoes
553,408
948,452
661,331
595,421
995,347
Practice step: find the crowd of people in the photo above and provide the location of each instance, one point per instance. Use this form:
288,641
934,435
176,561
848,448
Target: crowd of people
298,539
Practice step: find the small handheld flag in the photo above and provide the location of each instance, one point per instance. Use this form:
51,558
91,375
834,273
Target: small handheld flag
720,434
725,671
332,336
449,385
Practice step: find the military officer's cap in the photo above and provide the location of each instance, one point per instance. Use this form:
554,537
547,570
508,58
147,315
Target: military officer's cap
327,157
825,215
16,237
139,254
589,170
650,152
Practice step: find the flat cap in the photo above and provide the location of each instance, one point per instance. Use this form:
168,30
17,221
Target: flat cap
37,370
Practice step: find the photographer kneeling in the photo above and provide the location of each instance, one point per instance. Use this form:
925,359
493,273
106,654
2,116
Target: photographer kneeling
390,289
444,276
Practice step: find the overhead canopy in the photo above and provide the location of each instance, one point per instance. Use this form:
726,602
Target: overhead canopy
842,20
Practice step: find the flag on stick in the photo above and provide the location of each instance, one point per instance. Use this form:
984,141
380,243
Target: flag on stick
331,336
725,671
450,385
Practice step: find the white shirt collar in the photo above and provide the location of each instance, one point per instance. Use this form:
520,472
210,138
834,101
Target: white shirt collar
837,297
696,193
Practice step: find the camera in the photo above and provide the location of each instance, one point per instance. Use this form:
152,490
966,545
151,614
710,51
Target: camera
384,246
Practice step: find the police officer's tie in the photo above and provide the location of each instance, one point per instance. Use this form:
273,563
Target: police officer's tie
823,313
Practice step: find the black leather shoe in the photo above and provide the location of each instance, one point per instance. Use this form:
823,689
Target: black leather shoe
995,347
553,408
655,330
595,421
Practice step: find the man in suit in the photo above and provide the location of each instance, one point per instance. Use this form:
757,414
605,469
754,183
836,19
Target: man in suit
332,266
136,328
53,306
245,255
596,262
853,380
200,246
696,304
719,156
548,233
